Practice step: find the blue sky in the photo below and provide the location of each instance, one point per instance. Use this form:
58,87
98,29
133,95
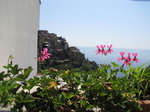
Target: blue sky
123,23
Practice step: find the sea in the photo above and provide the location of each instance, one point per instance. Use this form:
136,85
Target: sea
90,54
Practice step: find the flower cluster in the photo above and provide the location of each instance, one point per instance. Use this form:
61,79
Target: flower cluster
44,54
101,49
128,60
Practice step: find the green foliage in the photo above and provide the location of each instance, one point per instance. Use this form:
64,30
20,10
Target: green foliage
65,91
11,82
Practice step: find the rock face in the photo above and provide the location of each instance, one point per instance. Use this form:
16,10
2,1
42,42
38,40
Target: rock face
63,55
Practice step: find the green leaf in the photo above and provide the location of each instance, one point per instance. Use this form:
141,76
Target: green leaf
77,79
90,106
97,86
102,94
83,102
86,84
70,95
114,64
67,96
64,94
28,98
2,76
86,77
31,83
7,67
27,72
14,70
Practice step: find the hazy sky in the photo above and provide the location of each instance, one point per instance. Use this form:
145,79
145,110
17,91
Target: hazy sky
123,23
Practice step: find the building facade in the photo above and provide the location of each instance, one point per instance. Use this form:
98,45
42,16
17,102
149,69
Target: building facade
19,21
51,41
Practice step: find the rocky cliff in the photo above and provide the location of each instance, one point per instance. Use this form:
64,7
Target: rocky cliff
63,56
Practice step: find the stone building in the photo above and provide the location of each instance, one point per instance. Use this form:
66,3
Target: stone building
50,41
76,55
45,40
19,21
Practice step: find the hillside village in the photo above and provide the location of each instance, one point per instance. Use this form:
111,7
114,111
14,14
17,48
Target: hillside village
63,56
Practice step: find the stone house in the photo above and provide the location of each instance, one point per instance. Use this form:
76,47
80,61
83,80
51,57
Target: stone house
51,41
76,55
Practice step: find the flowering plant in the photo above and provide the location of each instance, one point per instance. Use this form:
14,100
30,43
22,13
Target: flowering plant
52,90
138,76
128,60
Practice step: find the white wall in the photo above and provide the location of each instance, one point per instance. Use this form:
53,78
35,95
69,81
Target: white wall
19,24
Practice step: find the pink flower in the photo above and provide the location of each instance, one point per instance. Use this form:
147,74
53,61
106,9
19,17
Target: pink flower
135,59
103,46
102,50
44,54
98,51
105,52
128,60
122,53
110,46
122,58
109,49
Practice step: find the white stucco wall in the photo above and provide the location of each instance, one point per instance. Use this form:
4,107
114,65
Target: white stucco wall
19,24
